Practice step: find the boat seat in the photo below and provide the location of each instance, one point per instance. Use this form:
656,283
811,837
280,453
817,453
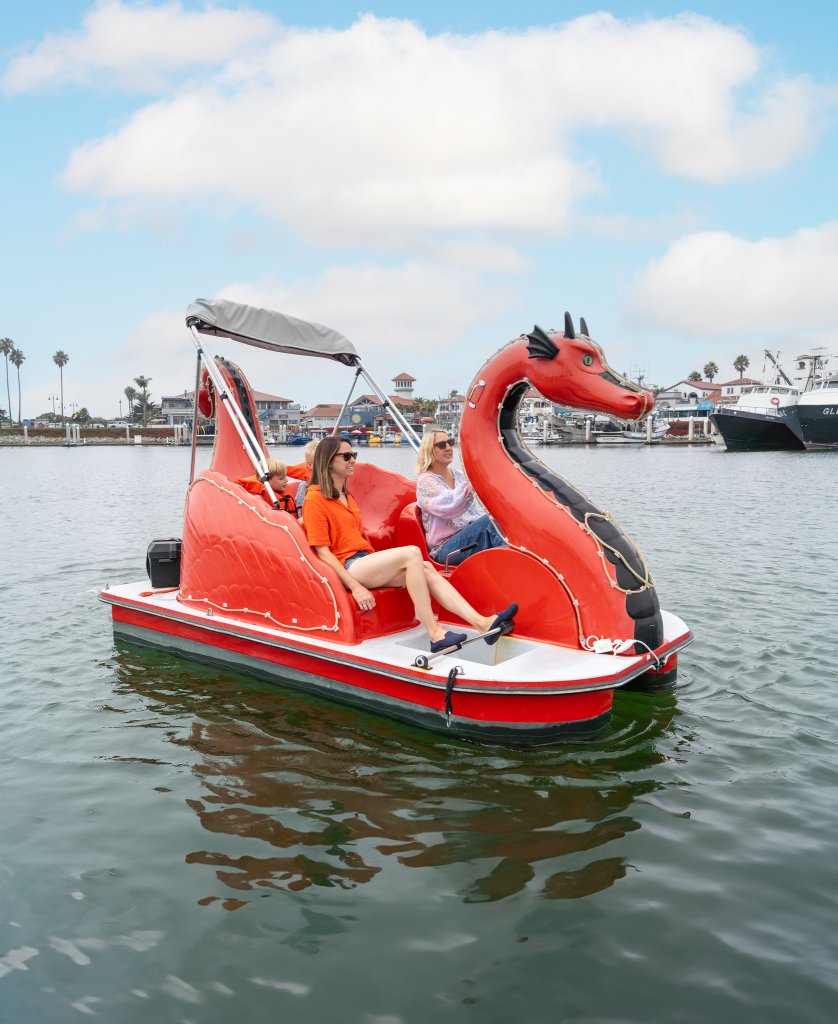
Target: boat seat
393,612
410,530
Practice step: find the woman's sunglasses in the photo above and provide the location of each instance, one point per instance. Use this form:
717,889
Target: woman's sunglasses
347,456
442,445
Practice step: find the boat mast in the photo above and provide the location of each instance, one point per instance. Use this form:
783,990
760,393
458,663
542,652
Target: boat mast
779,368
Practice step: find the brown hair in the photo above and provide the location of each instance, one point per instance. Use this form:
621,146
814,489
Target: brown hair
320,473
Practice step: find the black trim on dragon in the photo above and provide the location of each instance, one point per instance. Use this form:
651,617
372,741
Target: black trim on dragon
642,603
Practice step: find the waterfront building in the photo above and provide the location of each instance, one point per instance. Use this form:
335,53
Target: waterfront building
449,411
403,385
320,420
276,414
687,399
732,389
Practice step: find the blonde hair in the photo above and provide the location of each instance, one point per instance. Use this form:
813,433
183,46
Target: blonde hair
277,468
425,455
308,452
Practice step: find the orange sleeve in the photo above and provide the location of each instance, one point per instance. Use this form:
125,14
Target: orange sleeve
302,471
252,487
316,519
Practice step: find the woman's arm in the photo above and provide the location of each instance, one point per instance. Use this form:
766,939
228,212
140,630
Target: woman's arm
438,500
363,598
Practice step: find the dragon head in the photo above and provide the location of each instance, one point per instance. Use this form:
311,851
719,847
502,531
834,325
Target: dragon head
571,369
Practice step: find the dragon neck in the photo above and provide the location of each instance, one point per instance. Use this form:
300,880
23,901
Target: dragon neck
534,505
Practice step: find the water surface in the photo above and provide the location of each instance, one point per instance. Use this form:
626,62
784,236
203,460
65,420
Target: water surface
182,843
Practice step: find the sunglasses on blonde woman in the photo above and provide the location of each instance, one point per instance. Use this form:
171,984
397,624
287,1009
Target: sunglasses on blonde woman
347,456
442,445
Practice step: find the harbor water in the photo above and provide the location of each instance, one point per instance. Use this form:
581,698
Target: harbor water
182,843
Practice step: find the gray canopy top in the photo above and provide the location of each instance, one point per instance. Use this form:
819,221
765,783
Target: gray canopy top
266,329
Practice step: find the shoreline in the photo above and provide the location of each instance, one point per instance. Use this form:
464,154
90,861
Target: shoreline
167,442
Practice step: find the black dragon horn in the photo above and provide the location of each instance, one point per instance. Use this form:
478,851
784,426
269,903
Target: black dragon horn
568,326
583,327
541,345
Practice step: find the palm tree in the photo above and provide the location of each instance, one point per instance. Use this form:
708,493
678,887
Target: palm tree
131,394
61,359
143,383
16,358
710,371
6,346
695,375
741,364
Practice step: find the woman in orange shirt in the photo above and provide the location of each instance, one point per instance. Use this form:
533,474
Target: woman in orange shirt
333,525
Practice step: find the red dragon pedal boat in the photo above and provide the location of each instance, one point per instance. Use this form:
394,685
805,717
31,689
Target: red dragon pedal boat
252,595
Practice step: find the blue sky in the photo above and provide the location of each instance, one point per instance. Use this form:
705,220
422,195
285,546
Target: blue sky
429,179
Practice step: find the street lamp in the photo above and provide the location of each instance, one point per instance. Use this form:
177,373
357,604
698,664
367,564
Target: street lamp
120,408
52,399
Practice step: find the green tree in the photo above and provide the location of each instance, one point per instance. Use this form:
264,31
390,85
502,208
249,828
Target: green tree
695,375
710,371
143,400
82,415
131,394
16,358
424,406
61,359
741,364
6,346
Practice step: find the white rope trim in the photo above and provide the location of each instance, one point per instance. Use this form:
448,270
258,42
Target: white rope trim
305,556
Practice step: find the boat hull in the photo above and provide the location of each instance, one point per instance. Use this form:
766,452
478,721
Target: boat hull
488,703
816,427
754,431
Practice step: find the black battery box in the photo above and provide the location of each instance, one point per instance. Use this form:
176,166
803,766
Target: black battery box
162,563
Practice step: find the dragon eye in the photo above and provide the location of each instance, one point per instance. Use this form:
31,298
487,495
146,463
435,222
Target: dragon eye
587,359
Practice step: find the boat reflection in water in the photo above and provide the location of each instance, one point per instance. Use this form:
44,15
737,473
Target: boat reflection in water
339,797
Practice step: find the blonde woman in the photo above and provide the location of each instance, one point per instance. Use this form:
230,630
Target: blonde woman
451,515
333,525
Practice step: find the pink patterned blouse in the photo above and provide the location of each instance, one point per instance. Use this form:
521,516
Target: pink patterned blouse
445,510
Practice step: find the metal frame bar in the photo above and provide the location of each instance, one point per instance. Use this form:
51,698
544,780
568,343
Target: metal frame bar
195,416
251,445
336,427
394,413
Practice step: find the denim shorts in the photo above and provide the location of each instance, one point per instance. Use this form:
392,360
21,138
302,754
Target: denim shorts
352,558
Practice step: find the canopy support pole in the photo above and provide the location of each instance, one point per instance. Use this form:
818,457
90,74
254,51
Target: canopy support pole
346,403
252,448
394,413
195,414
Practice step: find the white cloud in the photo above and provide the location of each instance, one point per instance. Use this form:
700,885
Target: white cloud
383,135
139,46
713,284
414,317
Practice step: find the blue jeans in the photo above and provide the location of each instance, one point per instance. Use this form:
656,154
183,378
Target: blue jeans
481,533
355,557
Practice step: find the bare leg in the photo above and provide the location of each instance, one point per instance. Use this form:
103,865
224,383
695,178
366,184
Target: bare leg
403,567
453,601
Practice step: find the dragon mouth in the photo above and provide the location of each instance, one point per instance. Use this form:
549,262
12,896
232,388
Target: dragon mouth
621,382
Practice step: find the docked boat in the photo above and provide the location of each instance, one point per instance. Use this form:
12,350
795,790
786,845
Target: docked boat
760,419
617,437
649,433
814,419
242,588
